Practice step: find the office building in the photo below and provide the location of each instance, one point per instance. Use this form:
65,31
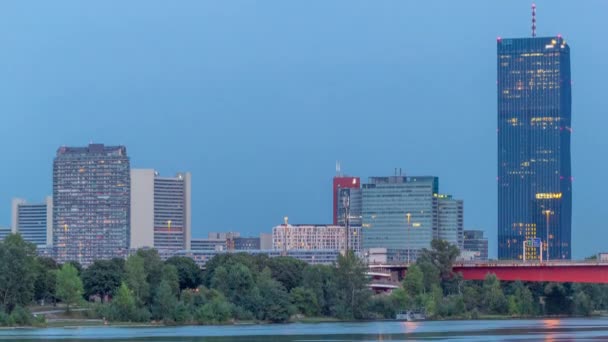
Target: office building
208,245
313,257
246,243
288,237
341,182
534,129
91,203
475,242
4,232
160,210
265,241
451,220
33,221
400,214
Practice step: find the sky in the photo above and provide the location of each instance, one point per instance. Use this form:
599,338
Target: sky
259,99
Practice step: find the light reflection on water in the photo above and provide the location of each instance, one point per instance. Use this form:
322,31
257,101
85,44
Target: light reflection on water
512,330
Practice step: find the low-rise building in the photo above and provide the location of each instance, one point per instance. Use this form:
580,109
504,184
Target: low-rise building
475,242
315,236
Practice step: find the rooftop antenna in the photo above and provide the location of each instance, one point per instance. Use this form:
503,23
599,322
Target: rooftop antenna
338,172
533,20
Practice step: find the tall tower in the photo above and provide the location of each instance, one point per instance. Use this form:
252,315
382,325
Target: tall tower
91,198
534,174
341,182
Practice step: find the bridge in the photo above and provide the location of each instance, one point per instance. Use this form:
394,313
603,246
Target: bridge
384,277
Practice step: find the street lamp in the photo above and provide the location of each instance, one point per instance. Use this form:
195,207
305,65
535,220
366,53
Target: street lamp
408,216
547,213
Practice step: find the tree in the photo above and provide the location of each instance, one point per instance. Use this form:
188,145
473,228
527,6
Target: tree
441,255
321,280
582,304
305,301
237,283
69,285
275,305
46,279
352,292
171,277
287,271
414,281
165,302
431,274
17,272
153,266
190,275
102,278
136,278
493,298
557,299
123,304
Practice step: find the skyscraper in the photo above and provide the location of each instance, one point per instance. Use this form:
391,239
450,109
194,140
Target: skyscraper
160,211
400,214
534,176
91,203
340,183
451,220
34,221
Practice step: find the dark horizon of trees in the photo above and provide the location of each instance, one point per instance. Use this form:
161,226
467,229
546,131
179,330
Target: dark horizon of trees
239,286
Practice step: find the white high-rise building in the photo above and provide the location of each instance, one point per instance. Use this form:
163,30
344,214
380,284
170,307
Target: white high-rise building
33,221
316,237
160,211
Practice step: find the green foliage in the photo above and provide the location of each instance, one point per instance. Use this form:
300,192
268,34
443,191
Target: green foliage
493,299
17,272
557,299
171,277
46,279
21,316
275,305
351,289
103,277
153,267
441,255
165,302
321,279
123,304
190,275
136,279
287,271
582,304
381,307
218,310
305,301
69,286
413,283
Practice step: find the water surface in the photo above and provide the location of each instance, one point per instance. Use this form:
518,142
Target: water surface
594,329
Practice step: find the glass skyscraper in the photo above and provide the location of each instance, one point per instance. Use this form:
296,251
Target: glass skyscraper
33,221
91,198
400,214
534,176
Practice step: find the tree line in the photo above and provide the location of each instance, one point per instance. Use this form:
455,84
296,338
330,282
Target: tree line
243,287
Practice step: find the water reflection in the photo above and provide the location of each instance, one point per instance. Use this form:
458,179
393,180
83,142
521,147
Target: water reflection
512,330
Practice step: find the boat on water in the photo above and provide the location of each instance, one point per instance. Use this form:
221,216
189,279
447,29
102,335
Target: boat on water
410,316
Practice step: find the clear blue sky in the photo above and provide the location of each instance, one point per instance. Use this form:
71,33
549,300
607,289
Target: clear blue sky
258,99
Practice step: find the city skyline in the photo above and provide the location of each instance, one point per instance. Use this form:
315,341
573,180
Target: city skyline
212,116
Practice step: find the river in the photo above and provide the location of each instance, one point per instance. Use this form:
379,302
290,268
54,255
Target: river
511,330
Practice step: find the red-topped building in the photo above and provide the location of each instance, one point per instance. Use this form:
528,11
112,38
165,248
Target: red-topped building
342,182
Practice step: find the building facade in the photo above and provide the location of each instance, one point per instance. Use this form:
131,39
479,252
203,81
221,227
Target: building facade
286,237
534,129
4,232
340,183
208,245
451,220
400,214
475,242
33,221
91,203
160,210
246,243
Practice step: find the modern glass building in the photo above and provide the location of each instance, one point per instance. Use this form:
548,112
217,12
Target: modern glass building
91,203
474,241
534,176
33,221
400,214
451,220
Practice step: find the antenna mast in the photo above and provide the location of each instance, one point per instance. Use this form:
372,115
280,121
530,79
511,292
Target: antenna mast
533,20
